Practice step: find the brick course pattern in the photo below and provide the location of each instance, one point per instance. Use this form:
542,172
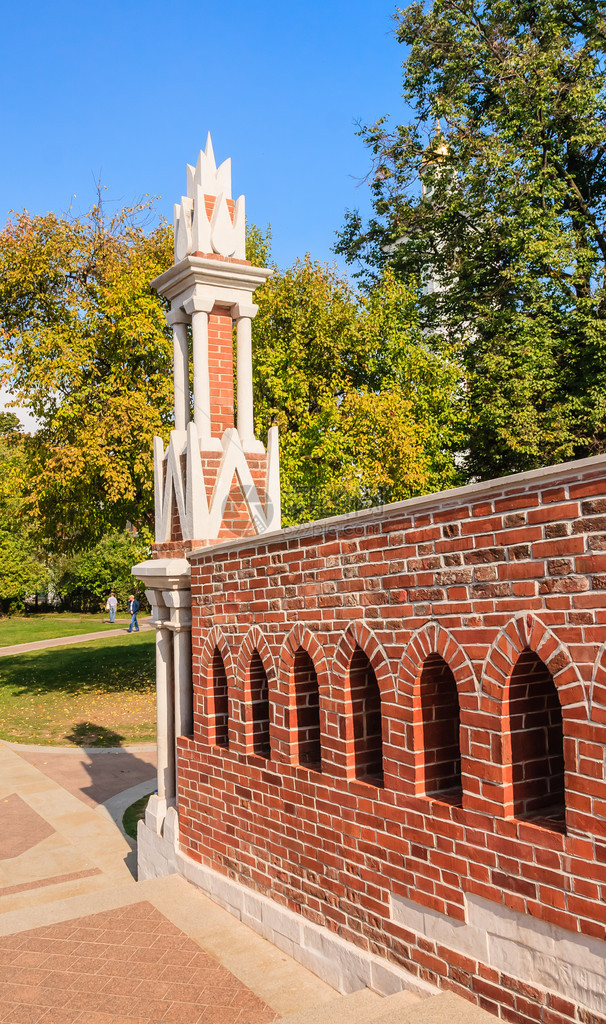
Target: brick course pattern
373,633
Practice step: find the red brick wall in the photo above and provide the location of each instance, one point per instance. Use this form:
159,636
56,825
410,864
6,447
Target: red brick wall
221,370
478,579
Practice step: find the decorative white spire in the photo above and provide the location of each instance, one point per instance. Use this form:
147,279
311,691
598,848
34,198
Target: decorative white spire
195,231
213,181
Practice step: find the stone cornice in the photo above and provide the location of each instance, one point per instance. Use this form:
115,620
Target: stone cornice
223,277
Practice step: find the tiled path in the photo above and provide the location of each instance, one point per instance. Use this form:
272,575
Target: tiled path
94,775
21,828
125,966
81,942
52,845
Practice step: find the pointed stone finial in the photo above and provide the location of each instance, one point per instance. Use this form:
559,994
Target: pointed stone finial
222,233
212,180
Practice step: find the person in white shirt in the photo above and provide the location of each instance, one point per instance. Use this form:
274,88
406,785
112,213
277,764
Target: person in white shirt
111,606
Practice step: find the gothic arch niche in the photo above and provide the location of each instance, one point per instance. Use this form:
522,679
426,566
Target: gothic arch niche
537,743
219,712
441,755
212,688
366,718
258,690
307,711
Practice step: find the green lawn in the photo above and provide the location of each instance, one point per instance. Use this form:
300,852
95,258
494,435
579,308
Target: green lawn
98,693
25,629
133,815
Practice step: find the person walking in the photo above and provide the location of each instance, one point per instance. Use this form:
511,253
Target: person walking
133,607
112,606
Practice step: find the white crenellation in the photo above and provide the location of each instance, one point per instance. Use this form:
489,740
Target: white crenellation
200,520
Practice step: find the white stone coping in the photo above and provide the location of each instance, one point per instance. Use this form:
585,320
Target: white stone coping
507,485
163,573
220,274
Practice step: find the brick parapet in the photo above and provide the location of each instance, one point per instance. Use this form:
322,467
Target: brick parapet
475,576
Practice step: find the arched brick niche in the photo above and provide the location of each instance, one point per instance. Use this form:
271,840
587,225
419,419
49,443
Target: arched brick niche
534,721
365,704
303,690
307,711
258,695
437,691
591,751
364,691
219,714
535,709
257,680
441,753
212,718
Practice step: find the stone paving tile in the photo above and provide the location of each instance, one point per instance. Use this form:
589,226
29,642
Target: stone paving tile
94,775
124,966
40,883
20,827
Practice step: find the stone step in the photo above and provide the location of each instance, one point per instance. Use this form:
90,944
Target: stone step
445,1008
354,1008
364,1006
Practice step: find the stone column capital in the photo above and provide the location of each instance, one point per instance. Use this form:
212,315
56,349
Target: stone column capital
177,316
242,309
182,624
177,598
198,304
160,613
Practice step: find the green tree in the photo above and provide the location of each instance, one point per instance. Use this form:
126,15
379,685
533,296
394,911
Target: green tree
86,349
368,411
509,224
86,578
22,567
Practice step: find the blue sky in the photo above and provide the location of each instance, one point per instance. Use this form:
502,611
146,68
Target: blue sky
126,92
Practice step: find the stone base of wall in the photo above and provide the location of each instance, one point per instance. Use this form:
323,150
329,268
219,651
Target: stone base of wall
557,968
339,963
156,856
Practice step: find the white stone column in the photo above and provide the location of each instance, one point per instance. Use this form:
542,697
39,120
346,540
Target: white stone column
199,330
243,315
181,360
165,715
165,712
184,697
199,308
179,320
179,602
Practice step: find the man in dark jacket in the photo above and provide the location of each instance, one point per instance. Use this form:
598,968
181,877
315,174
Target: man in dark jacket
133,607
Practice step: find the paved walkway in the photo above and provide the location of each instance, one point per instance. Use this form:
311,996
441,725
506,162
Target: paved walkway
67,641
94,774
81,942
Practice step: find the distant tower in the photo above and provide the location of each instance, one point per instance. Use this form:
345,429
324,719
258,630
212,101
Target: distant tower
215,481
